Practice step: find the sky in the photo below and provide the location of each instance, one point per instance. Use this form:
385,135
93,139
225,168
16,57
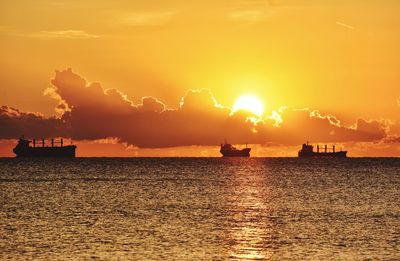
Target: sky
160,78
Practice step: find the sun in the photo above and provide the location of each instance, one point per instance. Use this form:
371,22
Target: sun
249,103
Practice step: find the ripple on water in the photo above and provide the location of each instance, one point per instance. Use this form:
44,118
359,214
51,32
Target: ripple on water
200,208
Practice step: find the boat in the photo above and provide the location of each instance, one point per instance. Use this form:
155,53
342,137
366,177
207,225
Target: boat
227,150
39,149
307,151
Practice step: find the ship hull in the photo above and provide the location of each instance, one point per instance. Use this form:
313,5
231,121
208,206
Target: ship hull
339,154
48,152
236,153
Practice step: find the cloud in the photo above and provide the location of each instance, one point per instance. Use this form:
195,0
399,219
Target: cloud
150,104
90,112
15,123
300,125
392,139
47,35
64,34
5,29
197,121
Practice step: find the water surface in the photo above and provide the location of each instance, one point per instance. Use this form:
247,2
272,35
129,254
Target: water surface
200,208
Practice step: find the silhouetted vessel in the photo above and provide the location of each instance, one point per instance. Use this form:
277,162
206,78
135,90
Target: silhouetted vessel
227,150
24,149
308,152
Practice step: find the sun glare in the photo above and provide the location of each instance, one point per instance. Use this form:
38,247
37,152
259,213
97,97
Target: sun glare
249,103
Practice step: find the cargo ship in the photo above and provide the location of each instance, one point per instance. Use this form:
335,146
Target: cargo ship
227,150
39,149
307,151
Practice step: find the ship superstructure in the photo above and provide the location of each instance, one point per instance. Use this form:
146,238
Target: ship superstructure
39,148
227,150
308,151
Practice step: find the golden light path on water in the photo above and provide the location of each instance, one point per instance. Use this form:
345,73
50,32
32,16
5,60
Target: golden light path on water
250,231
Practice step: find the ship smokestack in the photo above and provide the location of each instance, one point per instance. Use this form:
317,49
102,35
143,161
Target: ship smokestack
52,142
34,143
333,148
42,142
326,148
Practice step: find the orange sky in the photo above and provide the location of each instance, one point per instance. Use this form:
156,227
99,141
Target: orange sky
338,57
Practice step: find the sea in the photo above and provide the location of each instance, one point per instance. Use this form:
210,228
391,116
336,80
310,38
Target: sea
200,209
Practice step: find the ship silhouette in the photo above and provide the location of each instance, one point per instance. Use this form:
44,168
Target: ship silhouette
307,151
227,150
24,149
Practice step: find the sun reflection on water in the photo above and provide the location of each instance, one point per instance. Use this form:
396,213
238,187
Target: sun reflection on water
249,228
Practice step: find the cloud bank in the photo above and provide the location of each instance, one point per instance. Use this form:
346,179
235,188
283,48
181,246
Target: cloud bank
90,112
14,123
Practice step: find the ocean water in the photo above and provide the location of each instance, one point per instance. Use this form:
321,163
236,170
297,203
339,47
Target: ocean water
200,209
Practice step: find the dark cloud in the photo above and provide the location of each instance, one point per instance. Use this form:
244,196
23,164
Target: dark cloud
89,112
150,104
302,125
392,139
14,123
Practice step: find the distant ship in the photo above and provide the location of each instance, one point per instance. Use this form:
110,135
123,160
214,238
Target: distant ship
307,152
24,149
227,150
